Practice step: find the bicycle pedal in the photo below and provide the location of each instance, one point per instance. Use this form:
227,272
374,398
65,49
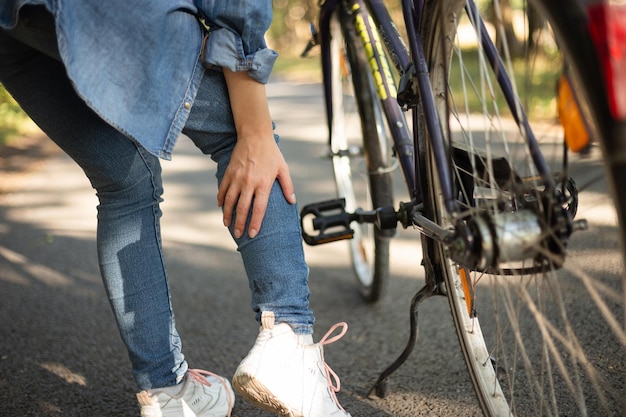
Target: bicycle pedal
330,219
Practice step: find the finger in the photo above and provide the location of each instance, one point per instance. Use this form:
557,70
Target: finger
286,185
228,204
258,213
227,212
243,208
223,189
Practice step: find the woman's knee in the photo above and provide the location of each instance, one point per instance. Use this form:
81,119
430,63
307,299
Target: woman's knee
130,179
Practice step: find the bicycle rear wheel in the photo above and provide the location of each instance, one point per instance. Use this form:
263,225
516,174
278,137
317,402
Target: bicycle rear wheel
360,152
539,339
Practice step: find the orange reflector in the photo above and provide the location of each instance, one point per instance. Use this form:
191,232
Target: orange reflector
468,290
343,66
574,128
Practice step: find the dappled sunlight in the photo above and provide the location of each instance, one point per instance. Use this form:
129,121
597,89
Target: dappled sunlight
607,266
65,373
303,133
405,253
11,275
298,118
49,409
597,208
600,215
426,400
187,162
34,270
190,212
71,207
198,228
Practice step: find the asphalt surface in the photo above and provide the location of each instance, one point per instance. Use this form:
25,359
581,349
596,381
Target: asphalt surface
60,353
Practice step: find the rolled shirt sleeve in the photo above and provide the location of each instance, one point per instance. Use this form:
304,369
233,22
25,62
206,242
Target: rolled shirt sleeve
236,36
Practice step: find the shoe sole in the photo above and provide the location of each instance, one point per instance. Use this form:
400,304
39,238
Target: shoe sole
256,393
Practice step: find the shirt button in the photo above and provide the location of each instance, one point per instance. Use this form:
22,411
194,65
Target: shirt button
187,105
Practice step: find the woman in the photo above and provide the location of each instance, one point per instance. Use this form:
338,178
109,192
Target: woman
114,84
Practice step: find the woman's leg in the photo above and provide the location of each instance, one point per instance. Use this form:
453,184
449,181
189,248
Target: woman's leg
128,184
284,372
274,259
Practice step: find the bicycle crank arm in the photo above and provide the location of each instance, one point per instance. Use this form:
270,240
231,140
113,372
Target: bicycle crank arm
432,229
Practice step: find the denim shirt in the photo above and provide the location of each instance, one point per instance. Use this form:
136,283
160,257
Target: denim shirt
137,63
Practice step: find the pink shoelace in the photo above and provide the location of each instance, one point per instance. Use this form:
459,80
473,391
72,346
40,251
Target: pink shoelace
333,380
199,375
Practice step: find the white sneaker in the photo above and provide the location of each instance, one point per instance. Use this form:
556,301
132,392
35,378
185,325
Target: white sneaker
203,394
286,374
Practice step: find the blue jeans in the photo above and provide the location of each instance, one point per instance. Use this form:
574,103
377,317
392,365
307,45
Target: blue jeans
128,184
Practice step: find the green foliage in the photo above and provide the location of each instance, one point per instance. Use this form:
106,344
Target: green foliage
12,118
538,91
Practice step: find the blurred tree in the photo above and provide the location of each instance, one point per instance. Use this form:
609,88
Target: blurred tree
532,21
504,11
290,29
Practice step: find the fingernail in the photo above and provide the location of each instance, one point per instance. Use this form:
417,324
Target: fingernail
237,233
252,233
293,198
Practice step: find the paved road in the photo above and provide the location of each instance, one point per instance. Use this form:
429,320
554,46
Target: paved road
60,354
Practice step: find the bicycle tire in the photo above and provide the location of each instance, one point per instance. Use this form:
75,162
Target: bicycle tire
360,151
547,342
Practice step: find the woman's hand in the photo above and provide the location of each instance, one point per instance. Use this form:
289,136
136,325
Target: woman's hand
256,161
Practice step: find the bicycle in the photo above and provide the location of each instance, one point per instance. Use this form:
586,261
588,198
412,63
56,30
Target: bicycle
488,184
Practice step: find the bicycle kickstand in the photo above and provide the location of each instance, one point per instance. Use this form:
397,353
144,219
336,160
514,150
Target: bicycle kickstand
432,287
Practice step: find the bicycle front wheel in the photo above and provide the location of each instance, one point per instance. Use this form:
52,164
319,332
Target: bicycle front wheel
540,338
360,153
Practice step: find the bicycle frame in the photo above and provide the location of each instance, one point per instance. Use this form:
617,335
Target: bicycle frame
383,47
374,25
403,141
376,30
